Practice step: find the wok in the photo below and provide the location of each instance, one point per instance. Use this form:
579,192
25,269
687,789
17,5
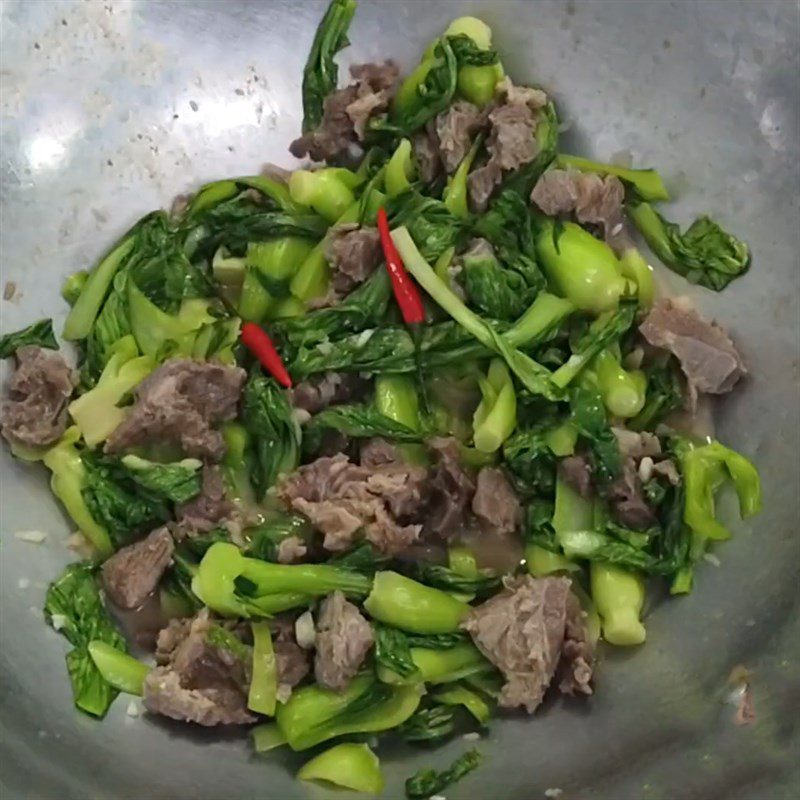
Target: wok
112,108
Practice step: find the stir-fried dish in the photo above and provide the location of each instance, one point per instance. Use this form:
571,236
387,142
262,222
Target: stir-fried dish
389,442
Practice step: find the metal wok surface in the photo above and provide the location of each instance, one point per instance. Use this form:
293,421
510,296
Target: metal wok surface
110,109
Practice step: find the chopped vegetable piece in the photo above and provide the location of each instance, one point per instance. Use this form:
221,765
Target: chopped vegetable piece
353,766
428,782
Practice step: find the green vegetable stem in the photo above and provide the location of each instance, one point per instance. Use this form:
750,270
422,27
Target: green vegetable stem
412,606
496,416
349,765
619,597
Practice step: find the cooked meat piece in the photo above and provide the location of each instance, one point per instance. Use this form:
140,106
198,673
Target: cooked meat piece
577,652
319,391
495,503
209,510
291,550
341,498
706,353
455,129
331,141
201,679
626,499
481,183
512,142
633,444
377,452
425,146
592,198
576,471
452,490
347,111
353,252
600,200
556,192
35,415
179,403
521,631
293,665
507,92
375,85
132,573
343,639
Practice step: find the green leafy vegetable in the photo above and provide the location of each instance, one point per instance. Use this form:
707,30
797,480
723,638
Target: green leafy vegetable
125,673
68,482
74,607
357,421
583,269
39,334
530,460
178,482
705,254
274,432
233,585
664,395
266,537
428,782
313,714
533,376
393,651
352,766
496,416
619,597
432,724
589,418
363,308
412,606
430,223
321,74
447,579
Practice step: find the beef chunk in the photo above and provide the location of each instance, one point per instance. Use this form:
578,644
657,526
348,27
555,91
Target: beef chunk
292,663
452,490
353,252
343,639
132,573
706,353
209,510
577,652
626,499
346,113
341,498
522,632
319,391
592,198
481,184
512,142
204,678
455,129
291,550
577,472
179,403
425,146
35,415
377,452
495,503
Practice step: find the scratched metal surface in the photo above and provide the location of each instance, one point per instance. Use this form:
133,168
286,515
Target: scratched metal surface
111,108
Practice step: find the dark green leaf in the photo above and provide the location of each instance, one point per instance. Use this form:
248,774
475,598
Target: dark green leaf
393,651
431,724
39,334
428,782
356,421
705,254
73,606
589,416
363,558
530,461
664,395
321,74
265,538
432,225
468,53
275,435
450,581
